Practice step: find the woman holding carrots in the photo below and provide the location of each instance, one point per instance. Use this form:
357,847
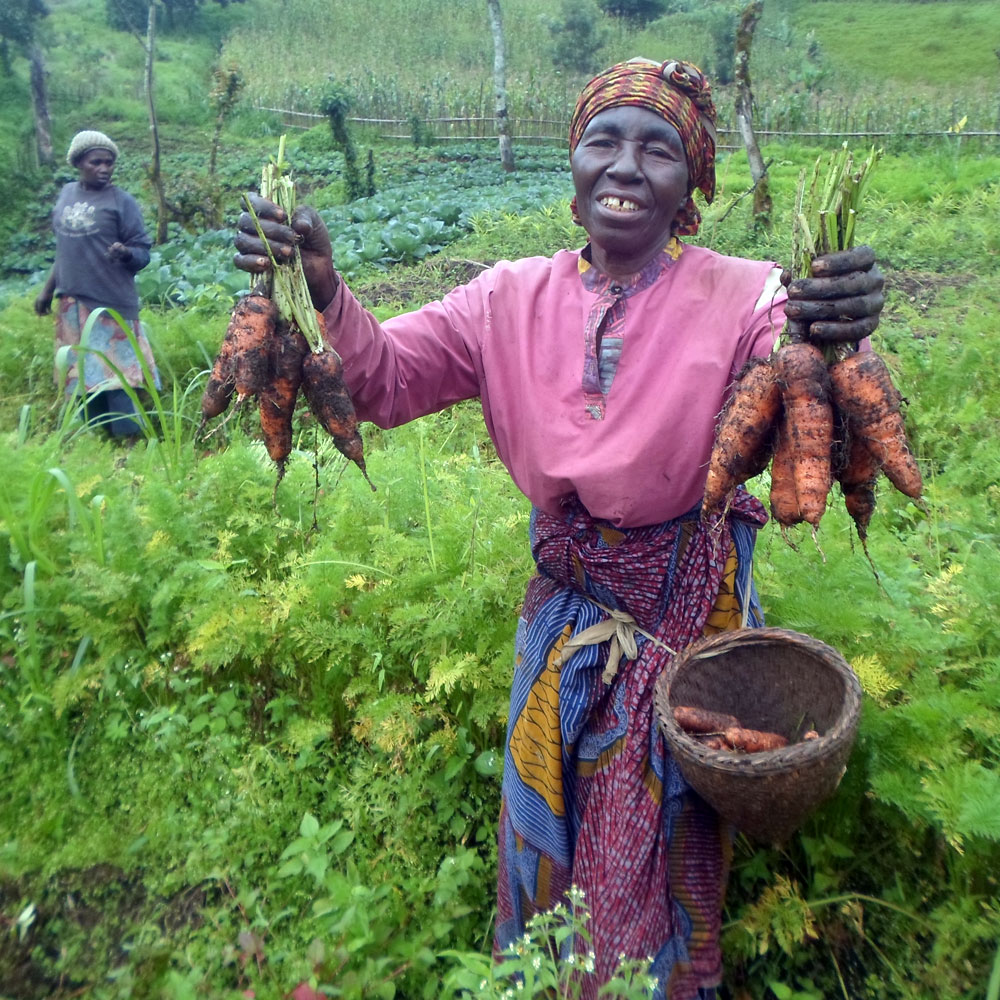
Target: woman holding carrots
601,372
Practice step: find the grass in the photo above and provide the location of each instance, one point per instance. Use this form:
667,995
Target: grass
916,42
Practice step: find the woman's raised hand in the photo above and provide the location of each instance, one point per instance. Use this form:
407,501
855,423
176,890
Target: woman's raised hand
842,300
305,231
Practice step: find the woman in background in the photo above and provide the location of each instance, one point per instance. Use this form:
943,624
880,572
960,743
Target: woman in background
101,244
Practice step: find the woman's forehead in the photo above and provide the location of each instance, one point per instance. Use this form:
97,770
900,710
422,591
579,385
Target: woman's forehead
629,119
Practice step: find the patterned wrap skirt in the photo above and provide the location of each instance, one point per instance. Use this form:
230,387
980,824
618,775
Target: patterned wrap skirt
88,371
592,798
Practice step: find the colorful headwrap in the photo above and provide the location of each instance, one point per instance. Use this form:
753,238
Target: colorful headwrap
677,91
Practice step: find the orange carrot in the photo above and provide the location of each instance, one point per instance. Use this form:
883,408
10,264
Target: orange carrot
807,426
278,396
330,402
863,390
857,483
221,380
743,436
785,508
703,720
753,740
221,383
252,325
711,742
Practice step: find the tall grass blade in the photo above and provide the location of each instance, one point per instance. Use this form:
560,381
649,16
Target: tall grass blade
993,989
23,423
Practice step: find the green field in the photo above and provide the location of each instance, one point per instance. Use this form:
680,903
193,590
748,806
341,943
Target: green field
251,735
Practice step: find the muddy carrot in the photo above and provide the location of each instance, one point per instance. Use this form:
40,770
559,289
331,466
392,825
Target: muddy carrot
863,390
753,740
330,402
221,383
743,437
703,720
279,394
808,425
785,508
252,326
711,742
857,482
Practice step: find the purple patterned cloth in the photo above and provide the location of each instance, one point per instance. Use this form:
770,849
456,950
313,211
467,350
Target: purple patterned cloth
591,796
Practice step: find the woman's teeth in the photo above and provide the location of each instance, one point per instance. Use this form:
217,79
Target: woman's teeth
619,205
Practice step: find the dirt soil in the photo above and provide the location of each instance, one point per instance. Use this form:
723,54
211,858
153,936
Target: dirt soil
77,933
918,288
412,286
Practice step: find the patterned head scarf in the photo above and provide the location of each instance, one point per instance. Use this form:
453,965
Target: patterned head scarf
677,91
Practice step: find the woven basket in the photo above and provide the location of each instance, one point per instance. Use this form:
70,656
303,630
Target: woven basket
775,680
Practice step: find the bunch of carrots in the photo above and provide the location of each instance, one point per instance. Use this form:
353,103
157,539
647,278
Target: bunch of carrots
817,415
275,347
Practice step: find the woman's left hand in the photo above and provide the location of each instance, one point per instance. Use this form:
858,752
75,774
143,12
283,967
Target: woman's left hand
118,251
842,300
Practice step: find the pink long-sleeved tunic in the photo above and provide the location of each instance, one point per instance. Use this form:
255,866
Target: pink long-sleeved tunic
589,387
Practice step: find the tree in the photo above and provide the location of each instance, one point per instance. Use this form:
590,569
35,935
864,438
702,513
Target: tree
637,12
19,28
500,84
155,172
131,15
744,112
577,37
335,102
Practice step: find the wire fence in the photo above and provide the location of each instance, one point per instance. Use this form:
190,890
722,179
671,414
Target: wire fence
543,130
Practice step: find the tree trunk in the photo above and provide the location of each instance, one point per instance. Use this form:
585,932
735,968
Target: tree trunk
500,85
40,106
155,175
744,112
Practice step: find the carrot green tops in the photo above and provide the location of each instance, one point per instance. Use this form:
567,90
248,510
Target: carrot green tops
591,388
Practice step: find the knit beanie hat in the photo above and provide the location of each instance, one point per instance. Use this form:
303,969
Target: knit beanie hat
85,141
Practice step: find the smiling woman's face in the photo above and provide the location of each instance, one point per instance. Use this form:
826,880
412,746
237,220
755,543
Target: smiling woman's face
631,179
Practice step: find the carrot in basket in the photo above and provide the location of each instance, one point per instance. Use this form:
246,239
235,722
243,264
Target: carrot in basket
743,436
753,740
710,742
807,426
864,392
703,720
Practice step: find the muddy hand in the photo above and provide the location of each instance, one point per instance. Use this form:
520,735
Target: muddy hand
305,231
254,253
842,300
